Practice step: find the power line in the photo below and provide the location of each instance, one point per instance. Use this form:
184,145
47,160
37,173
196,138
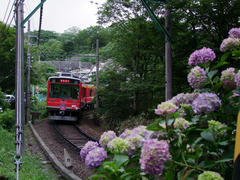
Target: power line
6,11
11,10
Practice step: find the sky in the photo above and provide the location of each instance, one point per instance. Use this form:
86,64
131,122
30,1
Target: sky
58,15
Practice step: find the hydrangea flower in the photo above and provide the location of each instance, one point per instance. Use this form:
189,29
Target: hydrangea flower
181,123
125,133
95,157
184,98
142,131
206,103
210,175
228,79
197,77
154,153
134,142
165,108
237,79
216,126
234,33
229,43
106,137
90,145
119,146
203,55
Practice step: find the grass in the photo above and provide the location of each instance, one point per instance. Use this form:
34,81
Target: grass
31,169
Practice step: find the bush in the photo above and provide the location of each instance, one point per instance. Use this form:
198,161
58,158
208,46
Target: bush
39,106
7,119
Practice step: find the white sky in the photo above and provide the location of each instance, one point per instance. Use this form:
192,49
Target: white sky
58,15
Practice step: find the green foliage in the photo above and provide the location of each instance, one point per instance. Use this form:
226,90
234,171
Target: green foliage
41,72
31,168
7,119
7,56
3,104
40,107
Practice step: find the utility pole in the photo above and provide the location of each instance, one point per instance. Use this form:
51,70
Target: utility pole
19,86
28,101
97,73
168,60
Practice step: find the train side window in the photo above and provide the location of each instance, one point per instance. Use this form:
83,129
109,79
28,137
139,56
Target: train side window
83,92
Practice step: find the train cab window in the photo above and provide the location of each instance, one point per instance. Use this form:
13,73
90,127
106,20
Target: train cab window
64,91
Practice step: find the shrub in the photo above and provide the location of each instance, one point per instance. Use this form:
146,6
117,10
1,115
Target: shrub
7,119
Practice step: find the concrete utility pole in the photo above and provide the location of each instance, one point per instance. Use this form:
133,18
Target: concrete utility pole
28,102
168,60
19,87
97,72
19,76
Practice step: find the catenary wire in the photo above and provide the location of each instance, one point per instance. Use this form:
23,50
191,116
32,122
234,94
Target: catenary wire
6,11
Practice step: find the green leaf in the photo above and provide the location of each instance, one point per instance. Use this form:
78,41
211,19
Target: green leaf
97,176
207,164
187,173
123,176
223,143
119,159
212,73
180,173
223,160
155,126
207,136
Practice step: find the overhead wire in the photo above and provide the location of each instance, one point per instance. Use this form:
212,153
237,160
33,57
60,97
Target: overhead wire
6,11
11,11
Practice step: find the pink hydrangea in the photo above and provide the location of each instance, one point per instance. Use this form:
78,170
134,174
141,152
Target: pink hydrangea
153,155
166,108
228,79
201,56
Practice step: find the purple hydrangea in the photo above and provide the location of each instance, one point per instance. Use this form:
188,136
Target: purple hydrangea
228,79
197,77
95,157
206,103
229,43
237,79
106,137
90,145
234,33
142,131
134,142
200,56
125,133
166,108
184,98
154,153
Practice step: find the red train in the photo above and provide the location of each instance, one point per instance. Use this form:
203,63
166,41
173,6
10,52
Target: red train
67,97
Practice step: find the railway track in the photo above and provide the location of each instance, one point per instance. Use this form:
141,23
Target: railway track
72,134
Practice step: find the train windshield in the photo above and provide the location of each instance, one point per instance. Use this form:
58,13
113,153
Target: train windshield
64,91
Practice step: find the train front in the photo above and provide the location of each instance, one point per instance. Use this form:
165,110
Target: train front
64,98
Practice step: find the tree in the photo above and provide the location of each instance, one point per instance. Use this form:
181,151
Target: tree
7,57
